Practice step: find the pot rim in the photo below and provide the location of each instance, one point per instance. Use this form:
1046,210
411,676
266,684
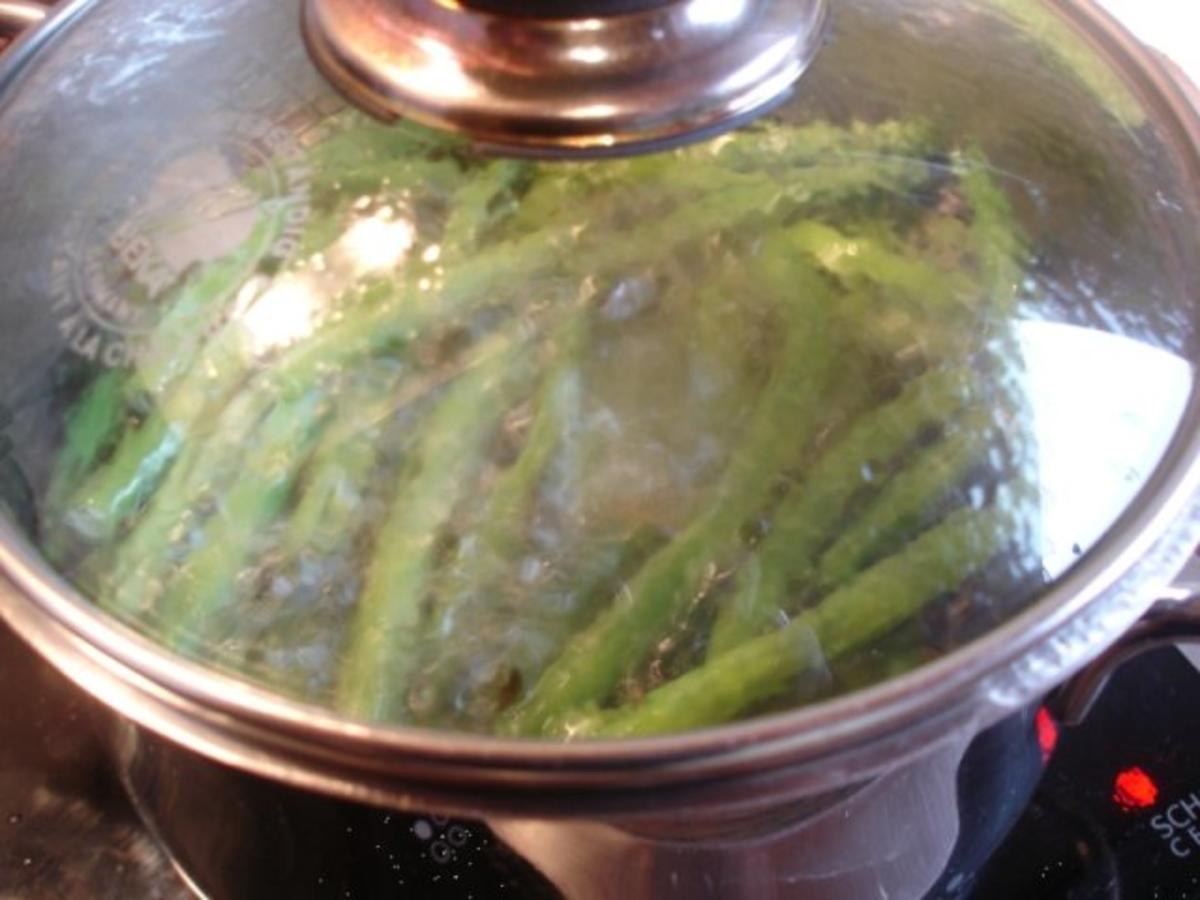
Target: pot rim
248,726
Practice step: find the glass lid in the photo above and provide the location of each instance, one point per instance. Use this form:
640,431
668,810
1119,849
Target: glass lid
582,450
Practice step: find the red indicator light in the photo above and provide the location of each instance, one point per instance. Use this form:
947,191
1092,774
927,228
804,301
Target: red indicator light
1135,790
1047,732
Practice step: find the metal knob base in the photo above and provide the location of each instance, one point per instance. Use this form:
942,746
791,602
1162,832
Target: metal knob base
601,85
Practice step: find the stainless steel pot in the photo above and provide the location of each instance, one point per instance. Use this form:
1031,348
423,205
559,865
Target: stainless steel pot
803,803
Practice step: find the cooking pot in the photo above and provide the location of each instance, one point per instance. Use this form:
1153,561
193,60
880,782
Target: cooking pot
125,128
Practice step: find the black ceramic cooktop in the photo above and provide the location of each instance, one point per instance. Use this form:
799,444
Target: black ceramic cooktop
1117,814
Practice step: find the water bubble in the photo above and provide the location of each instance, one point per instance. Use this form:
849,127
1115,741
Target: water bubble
629,297
531,569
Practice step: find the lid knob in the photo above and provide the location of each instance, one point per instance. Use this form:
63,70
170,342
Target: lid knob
564,9
566,77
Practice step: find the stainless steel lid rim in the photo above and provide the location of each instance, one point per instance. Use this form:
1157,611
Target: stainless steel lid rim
144,694
1069,649
474,789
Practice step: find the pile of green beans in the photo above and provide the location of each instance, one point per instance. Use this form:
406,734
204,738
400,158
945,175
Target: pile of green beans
601,450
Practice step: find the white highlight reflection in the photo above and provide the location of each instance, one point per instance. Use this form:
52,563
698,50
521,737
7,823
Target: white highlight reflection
291,307
1105,409
589,54
593,111
715,12
287,312
758,69
439,74
378,242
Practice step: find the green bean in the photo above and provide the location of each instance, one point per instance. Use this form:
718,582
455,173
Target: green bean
176,343
786,250
581,198
488,550
332,496
350,450
527,256
362,158
906,500
993,237
142,561
769,144
815,511
449,454
211,579
386,178
336,195
596,659
94,424
467,285
482,200
117,490
197,308
936,294
511,501
877,601
357,141
481,661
